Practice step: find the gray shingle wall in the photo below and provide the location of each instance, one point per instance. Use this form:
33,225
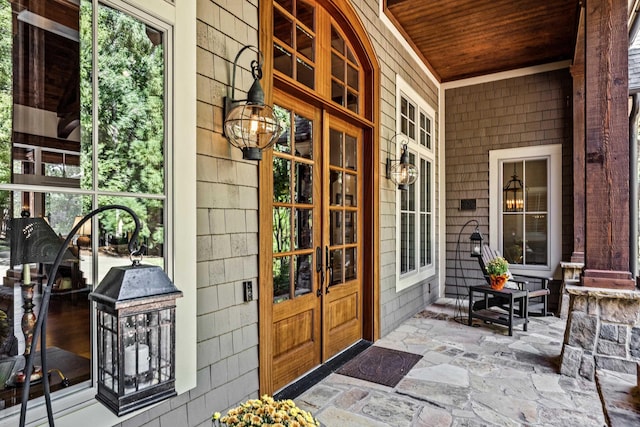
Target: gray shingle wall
393,59
517,112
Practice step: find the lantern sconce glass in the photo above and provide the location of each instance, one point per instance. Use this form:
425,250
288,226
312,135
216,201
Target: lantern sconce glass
402,172
249,124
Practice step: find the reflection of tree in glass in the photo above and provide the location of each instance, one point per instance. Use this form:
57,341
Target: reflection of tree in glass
6,97
130,115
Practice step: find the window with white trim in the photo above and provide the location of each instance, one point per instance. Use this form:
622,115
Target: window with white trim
415,231
88,118
525,206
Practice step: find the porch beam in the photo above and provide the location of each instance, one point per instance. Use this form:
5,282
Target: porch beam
607,146
577,73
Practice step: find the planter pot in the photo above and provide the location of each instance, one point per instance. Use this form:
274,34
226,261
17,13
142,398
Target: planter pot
498,282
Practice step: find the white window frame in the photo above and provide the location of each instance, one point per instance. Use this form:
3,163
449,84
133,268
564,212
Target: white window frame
77,405
553,153
420,274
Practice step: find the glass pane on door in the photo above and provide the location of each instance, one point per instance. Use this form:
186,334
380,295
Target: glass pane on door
293,212
343,206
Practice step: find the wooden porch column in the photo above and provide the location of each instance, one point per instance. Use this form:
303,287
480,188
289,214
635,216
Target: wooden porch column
607,146
577,72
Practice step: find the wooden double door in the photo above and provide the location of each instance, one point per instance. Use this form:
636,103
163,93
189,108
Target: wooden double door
316,254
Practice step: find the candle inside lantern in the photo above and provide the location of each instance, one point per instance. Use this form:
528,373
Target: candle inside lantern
130,359
26,274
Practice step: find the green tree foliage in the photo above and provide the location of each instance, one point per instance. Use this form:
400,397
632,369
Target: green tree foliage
6,97
130,114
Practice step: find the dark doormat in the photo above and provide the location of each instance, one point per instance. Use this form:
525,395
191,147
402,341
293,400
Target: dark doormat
380,365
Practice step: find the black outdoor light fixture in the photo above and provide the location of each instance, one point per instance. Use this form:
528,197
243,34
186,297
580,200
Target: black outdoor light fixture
475,242
402,172
249,124
135,331
513,193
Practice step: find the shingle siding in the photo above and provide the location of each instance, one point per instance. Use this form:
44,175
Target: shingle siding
532,111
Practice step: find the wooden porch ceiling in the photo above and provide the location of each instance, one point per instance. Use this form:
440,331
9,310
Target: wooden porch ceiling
458,39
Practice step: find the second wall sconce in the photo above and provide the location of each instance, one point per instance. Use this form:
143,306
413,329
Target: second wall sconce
401,172
249,124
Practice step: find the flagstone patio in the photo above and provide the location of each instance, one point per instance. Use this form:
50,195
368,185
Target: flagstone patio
475,376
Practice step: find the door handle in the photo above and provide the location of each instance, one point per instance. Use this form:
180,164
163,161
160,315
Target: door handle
319,269
326,251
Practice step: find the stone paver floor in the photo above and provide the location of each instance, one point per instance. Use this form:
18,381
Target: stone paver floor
468,376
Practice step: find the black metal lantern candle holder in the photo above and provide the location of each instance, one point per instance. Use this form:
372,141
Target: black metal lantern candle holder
136,337
475,243
136,331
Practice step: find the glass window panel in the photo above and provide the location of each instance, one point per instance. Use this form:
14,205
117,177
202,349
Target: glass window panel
335,182
350,264
350,227
350,152
281,180
282,27
411,242
131,104
304,228
351,56
336,224
404,200
404,106
351,190
286,5
283,143
337,93
281,279
335,147
424,231
304,137
336,40
352,77
116,226
513,187
423,185
304,274
306,14
536,239
427,172
337,67
411,193
536,185
282,60
305,73
352,101
304,183
335,261
404,243
281,229
305,43
512,238
429,239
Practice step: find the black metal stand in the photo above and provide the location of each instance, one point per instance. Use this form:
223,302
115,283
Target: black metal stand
460,315
40,328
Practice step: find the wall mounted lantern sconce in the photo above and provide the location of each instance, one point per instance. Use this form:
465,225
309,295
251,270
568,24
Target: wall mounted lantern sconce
135,331
249,124
401,172
514,193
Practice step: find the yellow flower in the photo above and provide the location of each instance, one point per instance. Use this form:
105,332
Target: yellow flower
216,415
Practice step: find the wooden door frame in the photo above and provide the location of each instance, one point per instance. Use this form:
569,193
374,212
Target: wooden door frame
349,21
